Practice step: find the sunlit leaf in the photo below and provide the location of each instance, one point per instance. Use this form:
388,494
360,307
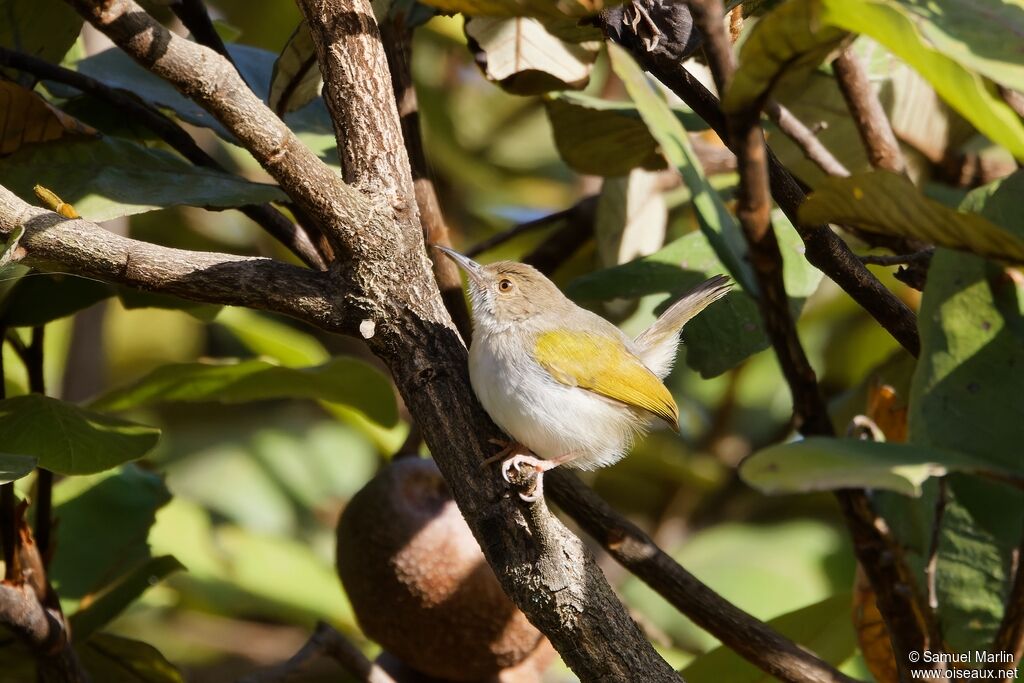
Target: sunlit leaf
341,380
521,56
787,43
824,464
295,80
114,659
69,440
631,217
100,609
107,178
894,26
823,628
888,203
267,336
26,118
14,467
716,222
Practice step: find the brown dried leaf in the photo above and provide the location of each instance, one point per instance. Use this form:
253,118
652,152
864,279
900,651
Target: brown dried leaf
871,631
25,117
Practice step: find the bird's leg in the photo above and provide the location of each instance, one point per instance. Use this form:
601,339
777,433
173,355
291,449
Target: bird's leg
508,448
512,470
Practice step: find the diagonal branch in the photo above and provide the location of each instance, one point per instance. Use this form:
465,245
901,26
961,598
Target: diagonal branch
87,249
751,638
872,123
823,248
266,216
907,619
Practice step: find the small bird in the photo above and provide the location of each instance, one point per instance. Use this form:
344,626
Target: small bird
562,381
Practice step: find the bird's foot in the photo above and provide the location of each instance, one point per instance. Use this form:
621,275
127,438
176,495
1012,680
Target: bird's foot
509,447
526,473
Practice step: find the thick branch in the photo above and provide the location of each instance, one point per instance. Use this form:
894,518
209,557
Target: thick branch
207,78
86,249
872,123
266,216
751,638
823,248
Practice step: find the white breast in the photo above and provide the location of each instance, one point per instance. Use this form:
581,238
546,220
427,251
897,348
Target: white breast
549,418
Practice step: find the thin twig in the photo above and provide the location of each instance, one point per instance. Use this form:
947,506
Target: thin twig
898,259
751,638
193,14
266,216
823,248
560,245
869,115
516,230
933,544
813,148
326,641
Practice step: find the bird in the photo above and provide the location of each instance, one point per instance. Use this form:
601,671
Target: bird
565,384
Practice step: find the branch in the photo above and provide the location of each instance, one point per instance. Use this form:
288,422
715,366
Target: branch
33,360
397,42
910,624
805,139
86,249
326,641
823,248
751,638
266,216
566,241
867,112
193,14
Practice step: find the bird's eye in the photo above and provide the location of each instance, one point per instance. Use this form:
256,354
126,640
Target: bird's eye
505,285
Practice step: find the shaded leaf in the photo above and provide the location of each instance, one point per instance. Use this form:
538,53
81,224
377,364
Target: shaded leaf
823,628
107,178
70,440
631,217
340,380
10,245
14,467
295,80
825,464
27,118
521,56
892,25
716,222
134,298
267,336
100,609
889,203
39,298
113,659
788,43
43,28
104,522
729,331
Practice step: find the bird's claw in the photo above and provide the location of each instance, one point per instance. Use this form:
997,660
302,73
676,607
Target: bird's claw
526,473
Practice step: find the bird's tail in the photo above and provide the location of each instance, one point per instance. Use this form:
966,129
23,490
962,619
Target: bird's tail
656,345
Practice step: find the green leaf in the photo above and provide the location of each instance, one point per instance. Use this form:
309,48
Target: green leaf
44,28
889,203
133,299
113,659
891,24
631,217
107,178
10,245
715,220
786,44
14,467
116,597
104,522
340,380
824,628
726,333
520,55
970,34
273,338
823,464
40,298
69,440
295,80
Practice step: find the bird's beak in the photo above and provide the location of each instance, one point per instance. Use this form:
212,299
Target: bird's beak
471,267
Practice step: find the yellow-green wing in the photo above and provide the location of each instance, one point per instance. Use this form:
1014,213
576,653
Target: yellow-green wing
606,367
